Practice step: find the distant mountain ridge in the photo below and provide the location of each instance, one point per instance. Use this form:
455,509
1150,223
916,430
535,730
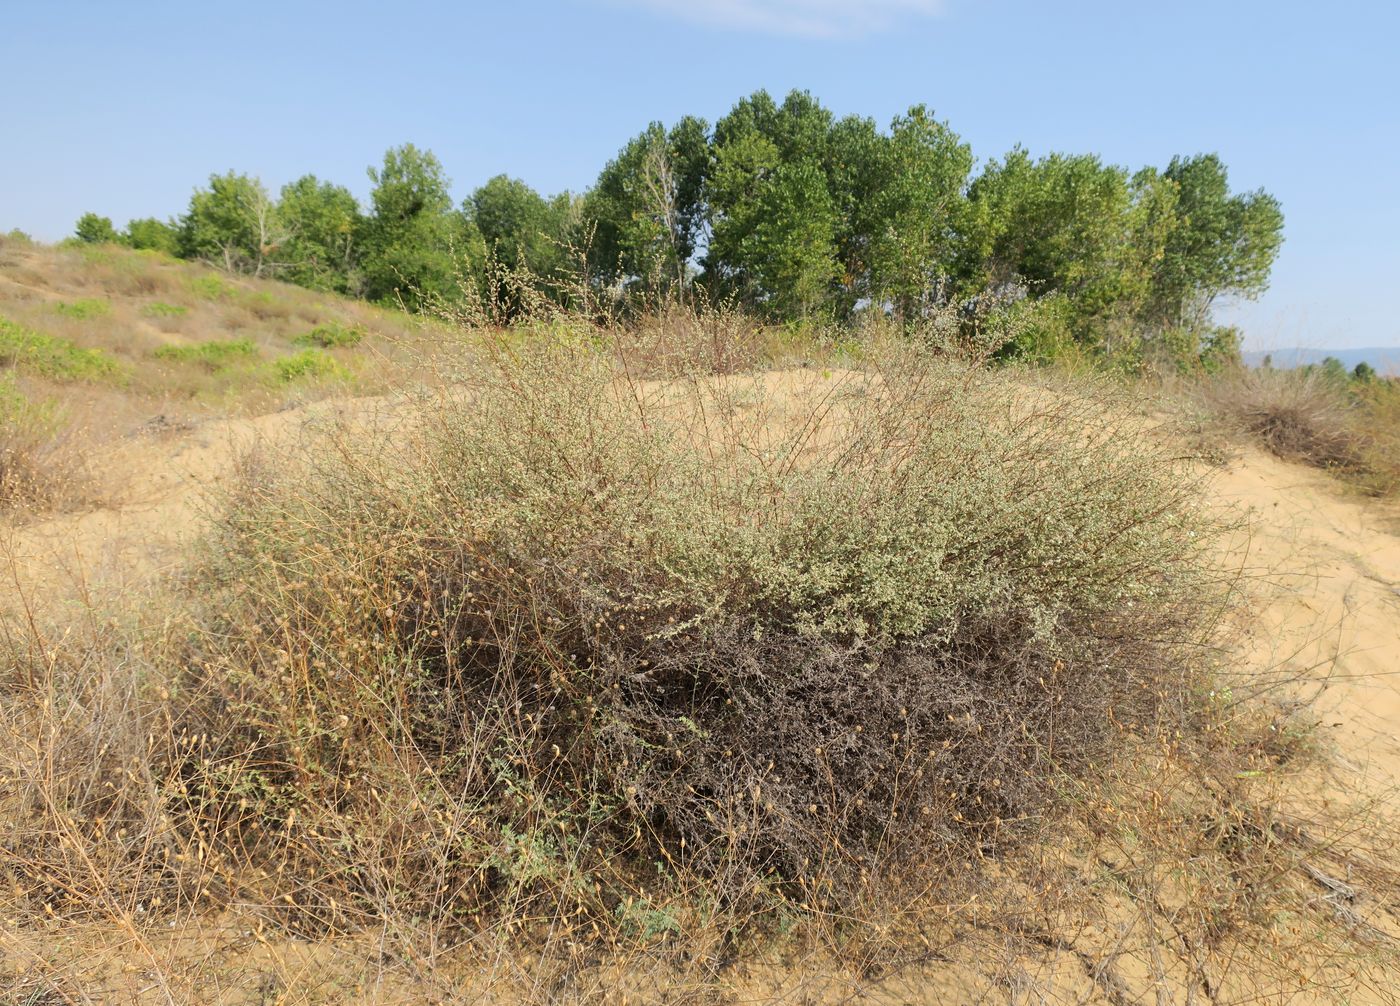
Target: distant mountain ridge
1386,359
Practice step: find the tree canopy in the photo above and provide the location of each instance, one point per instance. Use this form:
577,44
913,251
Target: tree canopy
786,210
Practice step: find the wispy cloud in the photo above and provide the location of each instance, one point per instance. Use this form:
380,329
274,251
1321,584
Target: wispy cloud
810,18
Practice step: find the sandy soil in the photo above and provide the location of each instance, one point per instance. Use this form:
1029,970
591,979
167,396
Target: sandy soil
1325,578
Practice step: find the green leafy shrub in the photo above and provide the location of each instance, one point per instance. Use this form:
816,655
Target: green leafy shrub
84,309
94,229
49,356
212,287
152,235
214,355
309,364
331,335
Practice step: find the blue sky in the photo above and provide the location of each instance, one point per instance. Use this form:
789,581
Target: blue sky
125,107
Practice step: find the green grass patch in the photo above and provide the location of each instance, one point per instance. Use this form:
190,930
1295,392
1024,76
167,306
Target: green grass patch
91,254
216,354
309,364
331,335
212,287
160,309
50,356
84,309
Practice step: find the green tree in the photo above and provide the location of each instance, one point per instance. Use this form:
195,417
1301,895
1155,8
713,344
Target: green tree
322,221
774,221
94,229
516,223
1333,370
647,209
527,234
856,158
150,234
915,204
409,239
1064,226
1219,244
233,224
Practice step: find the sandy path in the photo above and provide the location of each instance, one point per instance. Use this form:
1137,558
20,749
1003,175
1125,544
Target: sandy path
1327,602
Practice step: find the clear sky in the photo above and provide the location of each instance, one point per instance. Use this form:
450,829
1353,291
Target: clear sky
124,108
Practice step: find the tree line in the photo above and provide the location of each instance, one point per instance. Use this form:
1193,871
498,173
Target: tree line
786,210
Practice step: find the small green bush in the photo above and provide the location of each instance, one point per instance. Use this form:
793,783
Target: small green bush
52,357
160,309
84,309
212,287
100,254
309,364
214,355
331,335
94,229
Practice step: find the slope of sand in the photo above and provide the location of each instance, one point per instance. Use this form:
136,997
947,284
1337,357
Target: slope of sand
164,484
1324,579
1323,573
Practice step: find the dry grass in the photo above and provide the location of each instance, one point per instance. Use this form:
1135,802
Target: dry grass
1348,427
586,684
140,310
41,466
102,342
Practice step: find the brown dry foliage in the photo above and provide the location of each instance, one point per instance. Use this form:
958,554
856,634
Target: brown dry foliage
1351,428
579,673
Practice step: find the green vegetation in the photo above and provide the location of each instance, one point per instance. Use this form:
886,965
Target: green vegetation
49,356
151,234
309,364
790,213
84,309
94,229
212,287
322,223
332,335
148,234
160,309
214,355
409,238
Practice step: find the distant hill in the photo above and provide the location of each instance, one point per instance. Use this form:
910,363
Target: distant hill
1386,359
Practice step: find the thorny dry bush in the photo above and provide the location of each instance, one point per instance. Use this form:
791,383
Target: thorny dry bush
885,668
40,464
1306,415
